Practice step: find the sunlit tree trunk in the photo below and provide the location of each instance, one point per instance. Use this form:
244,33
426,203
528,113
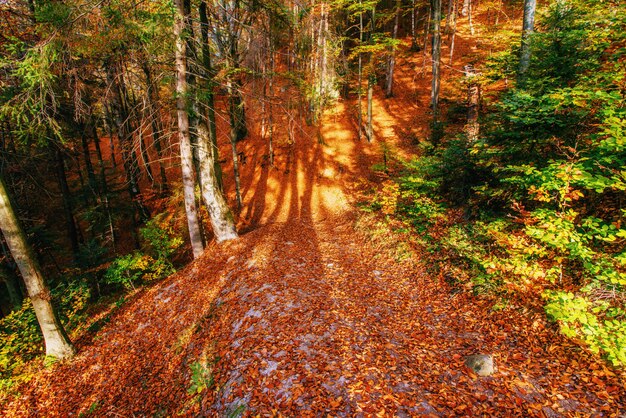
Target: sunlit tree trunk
527,30
57,343
466,7
221,218
392,58
453,33
209,74
186,156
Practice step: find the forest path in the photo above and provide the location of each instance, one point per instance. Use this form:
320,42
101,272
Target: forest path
306,316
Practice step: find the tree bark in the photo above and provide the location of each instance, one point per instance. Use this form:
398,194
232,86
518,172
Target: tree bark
152,96
527,30
436,57
13,288
221,218
473,101
57,343
392,58
210,97
68,207
186,156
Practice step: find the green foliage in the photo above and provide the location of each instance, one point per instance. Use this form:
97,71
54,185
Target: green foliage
20,336
152,264
555,150
602,328
201,377
542,188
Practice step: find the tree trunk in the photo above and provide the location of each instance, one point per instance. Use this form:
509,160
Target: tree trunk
221,218
436,57
11,282
186,156
233,144
470,19
152,96
360,76
57,343
104,188
91,175
453,34
392,58
527,30
124,133
270,116
371,80
210,98
473,101
465,9
68,207
450,16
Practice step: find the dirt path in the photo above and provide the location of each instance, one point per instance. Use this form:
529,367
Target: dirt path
304,316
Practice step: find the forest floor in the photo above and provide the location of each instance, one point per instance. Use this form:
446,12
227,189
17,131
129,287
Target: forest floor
313,313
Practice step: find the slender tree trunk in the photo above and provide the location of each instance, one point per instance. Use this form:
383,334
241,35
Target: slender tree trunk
91,175
392,58
465,8
453,34
68,207
470,18
104,188
473,101
110,123
233,144
270,116
414,46
186,156
527,30
449,16
360,75
119,108
436,57
145,158
210,97
152,96
57,343
11,282
371,80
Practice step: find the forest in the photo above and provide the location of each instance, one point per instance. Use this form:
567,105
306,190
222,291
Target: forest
312,208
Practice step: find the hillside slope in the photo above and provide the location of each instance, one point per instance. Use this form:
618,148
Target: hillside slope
305,316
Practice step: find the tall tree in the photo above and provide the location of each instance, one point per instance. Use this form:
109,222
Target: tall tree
186,154
527,30
57,342
436,57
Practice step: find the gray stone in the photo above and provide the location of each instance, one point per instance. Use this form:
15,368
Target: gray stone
482,364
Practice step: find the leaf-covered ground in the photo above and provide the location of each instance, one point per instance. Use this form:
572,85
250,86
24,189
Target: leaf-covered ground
306,315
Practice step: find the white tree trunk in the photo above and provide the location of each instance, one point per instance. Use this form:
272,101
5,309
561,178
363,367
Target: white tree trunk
527,29
57,343
186,155
221,218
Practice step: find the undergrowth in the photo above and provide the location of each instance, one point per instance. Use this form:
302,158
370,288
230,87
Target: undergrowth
532,211
76,295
